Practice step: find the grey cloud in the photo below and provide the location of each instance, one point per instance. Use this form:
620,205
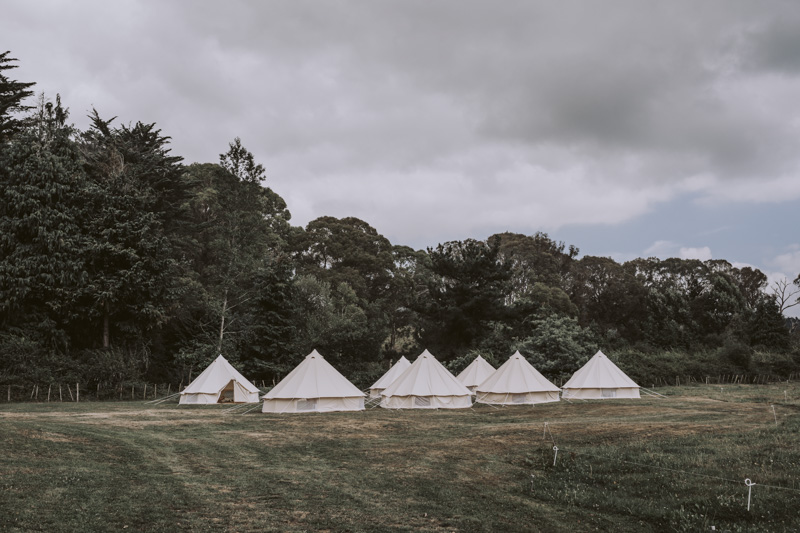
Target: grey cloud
479,110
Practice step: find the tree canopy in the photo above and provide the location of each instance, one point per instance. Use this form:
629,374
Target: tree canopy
118,263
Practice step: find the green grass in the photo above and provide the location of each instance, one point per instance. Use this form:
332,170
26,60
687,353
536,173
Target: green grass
135,467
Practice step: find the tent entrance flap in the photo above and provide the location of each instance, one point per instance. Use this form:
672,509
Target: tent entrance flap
226,395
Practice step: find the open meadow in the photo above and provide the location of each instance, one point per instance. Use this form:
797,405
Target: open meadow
674,464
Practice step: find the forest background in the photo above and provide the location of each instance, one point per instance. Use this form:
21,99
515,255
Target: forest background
120,263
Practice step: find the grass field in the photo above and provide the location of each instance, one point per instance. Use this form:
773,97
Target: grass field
676,464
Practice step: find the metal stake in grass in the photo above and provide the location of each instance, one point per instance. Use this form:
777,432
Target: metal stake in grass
749,490
774,415
555,457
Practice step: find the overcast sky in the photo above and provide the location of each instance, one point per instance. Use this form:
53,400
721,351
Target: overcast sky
627,128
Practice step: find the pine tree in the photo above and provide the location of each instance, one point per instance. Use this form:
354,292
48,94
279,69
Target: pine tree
12,93
42,243
136,191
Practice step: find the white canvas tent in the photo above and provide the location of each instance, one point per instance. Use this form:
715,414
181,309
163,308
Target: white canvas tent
314,386
219,383
516,382
475,374
599,379
426,384
389,377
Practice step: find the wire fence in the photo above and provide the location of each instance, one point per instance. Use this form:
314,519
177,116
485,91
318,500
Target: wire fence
64,391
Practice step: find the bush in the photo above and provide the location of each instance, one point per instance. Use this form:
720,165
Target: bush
24,361
737,353
558,346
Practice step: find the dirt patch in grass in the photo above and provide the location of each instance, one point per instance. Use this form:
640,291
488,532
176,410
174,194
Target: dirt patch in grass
50,437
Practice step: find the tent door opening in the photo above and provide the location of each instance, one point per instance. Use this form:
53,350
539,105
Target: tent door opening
226,394
608,393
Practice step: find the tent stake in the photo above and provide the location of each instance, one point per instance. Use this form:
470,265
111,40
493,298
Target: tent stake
749,490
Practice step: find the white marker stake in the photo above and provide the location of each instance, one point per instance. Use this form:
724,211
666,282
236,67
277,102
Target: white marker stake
555,457
774,415
749,490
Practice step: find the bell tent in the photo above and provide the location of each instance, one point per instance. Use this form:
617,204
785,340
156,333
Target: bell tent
475,374
313,386
426,384
219,383
516,382
389,377
599,379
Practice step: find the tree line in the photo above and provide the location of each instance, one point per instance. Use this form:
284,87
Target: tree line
120,262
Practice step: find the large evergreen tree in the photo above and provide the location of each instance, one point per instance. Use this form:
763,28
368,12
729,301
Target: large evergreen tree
135,193
43,241
466,296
